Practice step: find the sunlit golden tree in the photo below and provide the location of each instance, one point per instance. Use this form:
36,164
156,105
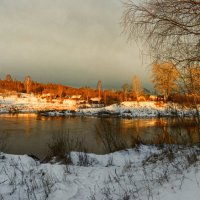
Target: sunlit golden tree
137,89
28,84
165,77
8,77
192,80
125,88
99,88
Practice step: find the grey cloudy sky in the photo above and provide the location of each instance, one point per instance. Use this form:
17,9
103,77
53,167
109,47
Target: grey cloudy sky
73,42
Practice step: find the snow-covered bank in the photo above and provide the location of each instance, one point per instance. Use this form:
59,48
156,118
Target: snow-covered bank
142,173
28,103
131,110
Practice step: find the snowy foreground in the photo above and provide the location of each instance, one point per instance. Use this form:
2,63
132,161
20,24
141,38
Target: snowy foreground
143,173
28,103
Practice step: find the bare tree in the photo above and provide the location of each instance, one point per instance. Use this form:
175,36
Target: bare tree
136,84
170,28
192,80
87,93
165,76
60,91
125,88
8,77
28,84
99,88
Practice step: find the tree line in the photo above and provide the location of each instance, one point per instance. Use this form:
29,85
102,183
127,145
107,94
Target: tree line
165,78
61,91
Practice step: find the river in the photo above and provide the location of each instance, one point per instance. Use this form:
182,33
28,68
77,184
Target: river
31,133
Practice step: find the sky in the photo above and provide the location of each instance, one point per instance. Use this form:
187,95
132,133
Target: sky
70,42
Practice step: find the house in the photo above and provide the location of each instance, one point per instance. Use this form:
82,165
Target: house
95,100
76,97
160,98
152,97
156,98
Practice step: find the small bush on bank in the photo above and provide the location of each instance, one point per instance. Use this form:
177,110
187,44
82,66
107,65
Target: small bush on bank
3,141
60,146
110,137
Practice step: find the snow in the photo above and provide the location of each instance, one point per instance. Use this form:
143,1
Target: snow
31,103
145,172
133,109
130,109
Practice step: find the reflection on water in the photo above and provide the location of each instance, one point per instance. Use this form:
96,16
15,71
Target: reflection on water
30,133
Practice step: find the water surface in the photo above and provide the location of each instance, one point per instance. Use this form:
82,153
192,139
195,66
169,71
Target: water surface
30,133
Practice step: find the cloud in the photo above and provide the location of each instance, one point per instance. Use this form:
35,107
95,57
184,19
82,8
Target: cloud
74,42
